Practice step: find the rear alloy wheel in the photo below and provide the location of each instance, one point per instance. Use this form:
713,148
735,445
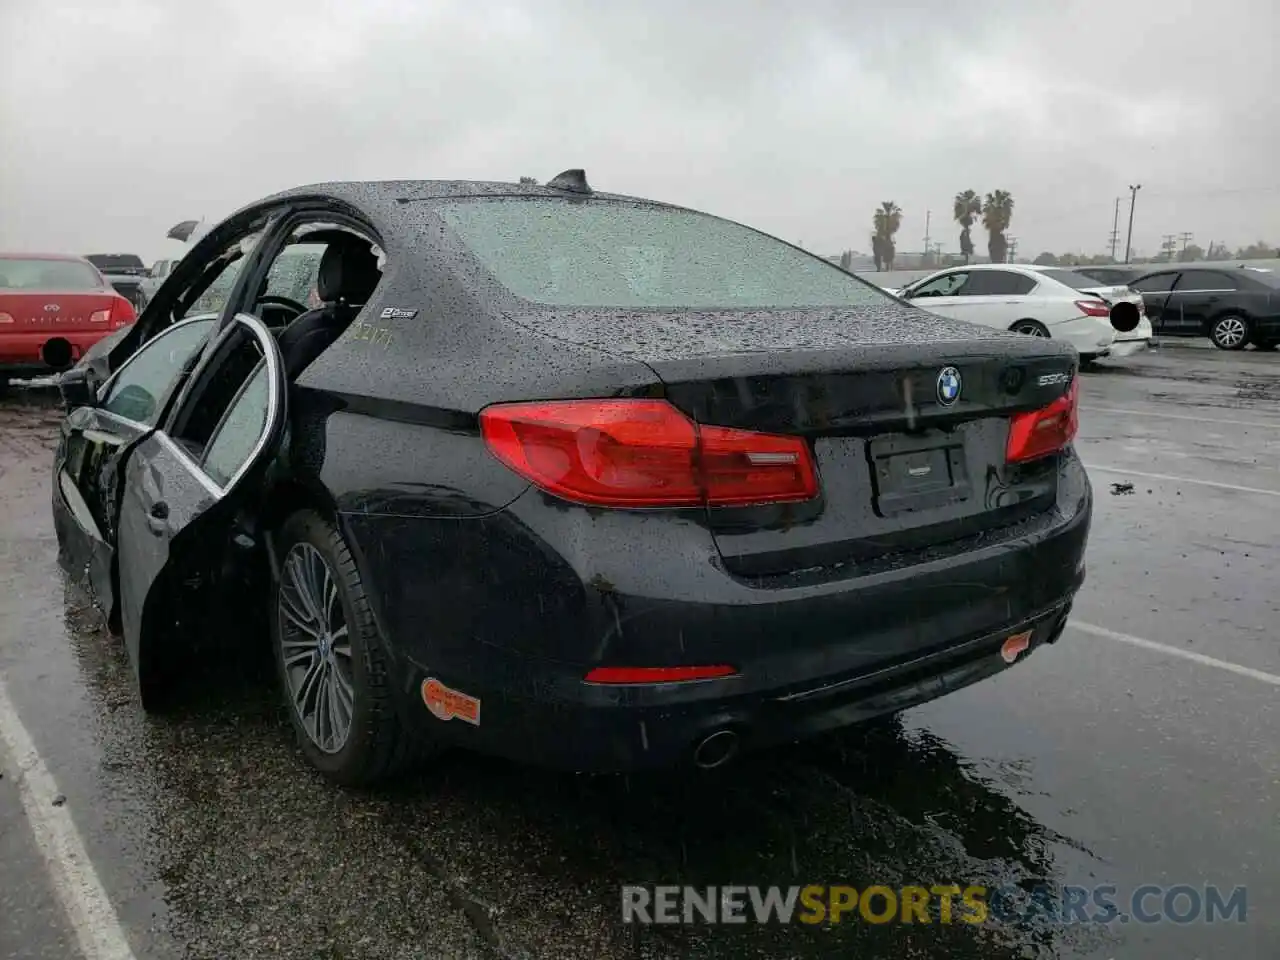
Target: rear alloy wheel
1230,332
1032,328
330,660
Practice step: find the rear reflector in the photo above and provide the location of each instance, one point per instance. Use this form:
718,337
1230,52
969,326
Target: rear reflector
5,318
619,675
1045,431
1093,308
100,316
645,453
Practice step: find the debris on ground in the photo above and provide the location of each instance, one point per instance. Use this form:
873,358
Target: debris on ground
1118,489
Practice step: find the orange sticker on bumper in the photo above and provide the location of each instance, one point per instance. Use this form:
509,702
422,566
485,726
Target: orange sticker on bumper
446,703
1010,649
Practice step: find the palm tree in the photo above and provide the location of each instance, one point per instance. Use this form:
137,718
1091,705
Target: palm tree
997,212
968,207
886,222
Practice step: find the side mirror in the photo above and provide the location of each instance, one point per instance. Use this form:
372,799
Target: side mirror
78,388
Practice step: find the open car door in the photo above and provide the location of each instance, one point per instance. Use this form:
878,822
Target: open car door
184,483
97,439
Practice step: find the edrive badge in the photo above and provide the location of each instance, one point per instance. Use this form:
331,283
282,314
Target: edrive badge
948,386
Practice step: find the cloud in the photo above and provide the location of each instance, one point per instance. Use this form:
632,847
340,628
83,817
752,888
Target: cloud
798,119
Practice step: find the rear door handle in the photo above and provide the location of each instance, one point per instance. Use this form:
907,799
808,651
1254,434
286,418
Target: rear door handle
158,517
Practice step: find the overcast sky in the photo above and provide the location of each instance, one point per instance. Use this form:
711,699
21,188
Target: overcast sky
120,118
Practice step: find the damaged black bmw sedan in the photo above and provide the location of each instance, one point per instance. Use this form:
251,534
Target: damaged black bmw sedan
579,479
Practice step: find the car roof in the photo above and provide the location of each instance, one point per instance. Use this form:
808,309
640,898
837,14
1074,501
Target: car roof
1039,267
42,256
393,200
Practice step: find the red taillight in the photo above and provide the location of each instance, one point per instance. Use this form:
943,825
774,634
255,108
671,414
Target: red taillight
100,316
620,675
645,453
122,313
1093,308
1045,431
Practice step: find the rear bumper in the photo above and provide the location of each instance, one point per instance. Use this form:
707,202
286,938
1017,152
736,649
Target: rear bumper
491,609
23,352
599,729
1091,336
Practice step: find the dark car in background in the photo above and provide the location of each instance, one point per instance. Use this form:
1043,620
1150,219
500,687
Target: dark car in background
53,308
1232,306
126,273
575,478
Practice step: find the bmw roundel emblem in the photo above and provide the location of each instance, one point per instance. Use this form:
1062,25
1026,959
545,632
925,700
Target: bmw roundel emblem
948,386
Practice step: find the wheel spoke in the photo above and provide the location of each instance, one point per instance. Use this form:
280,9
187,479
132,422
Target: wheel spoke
337,722
304,582
324,718
346,690
330,600
303,691
303,653
341,640
298,618
318,574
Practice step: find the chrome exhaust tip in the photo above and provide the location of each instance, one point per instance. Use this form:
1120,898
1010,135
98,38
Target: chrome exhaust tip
716,750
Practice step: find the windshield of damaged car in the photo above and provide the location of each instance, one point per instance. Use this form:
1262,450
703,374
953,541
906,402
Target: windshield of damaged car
61,275
614,254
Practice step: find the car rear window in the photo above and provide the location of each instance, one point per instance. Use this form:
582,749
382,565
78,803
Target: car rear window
61,275
614,254
1076,281
1263,275
116,261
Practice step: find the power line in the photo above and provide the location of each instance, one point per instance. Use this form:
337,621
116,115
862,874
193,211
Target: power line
1088,210
1115,229
1133,202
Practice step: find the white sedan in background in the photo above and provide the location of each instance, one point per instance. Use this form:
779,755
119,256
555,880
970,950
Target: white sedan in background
1039,301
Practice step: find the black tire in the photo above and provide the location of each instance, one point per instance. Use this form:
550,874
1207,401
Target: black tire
1266,345
1229,332
378,746
1032,328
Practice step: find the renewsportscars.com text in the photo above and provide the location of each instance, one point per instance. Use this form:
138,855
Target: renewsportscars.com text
940,903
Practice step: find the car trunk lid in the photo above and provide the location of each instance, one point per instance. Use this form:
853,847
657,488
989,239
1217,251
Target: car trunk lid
56,312
903,466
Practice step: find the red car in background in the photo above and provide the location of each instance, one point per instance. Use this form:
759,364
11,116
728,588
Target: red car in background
52,309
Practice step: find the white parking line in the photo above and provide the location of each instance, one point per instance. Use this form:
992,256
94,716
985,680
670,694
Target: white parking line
1199,658
1164,476
88,909
1275,425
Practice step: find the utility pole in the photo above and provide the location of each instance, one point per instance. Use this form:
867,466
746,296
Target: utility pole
1133,202
1012,251
1168,242
928,219
1115,230
1186,238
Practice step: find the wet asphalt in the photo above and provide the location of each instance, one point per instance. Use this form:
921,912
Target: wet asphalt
1094,762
